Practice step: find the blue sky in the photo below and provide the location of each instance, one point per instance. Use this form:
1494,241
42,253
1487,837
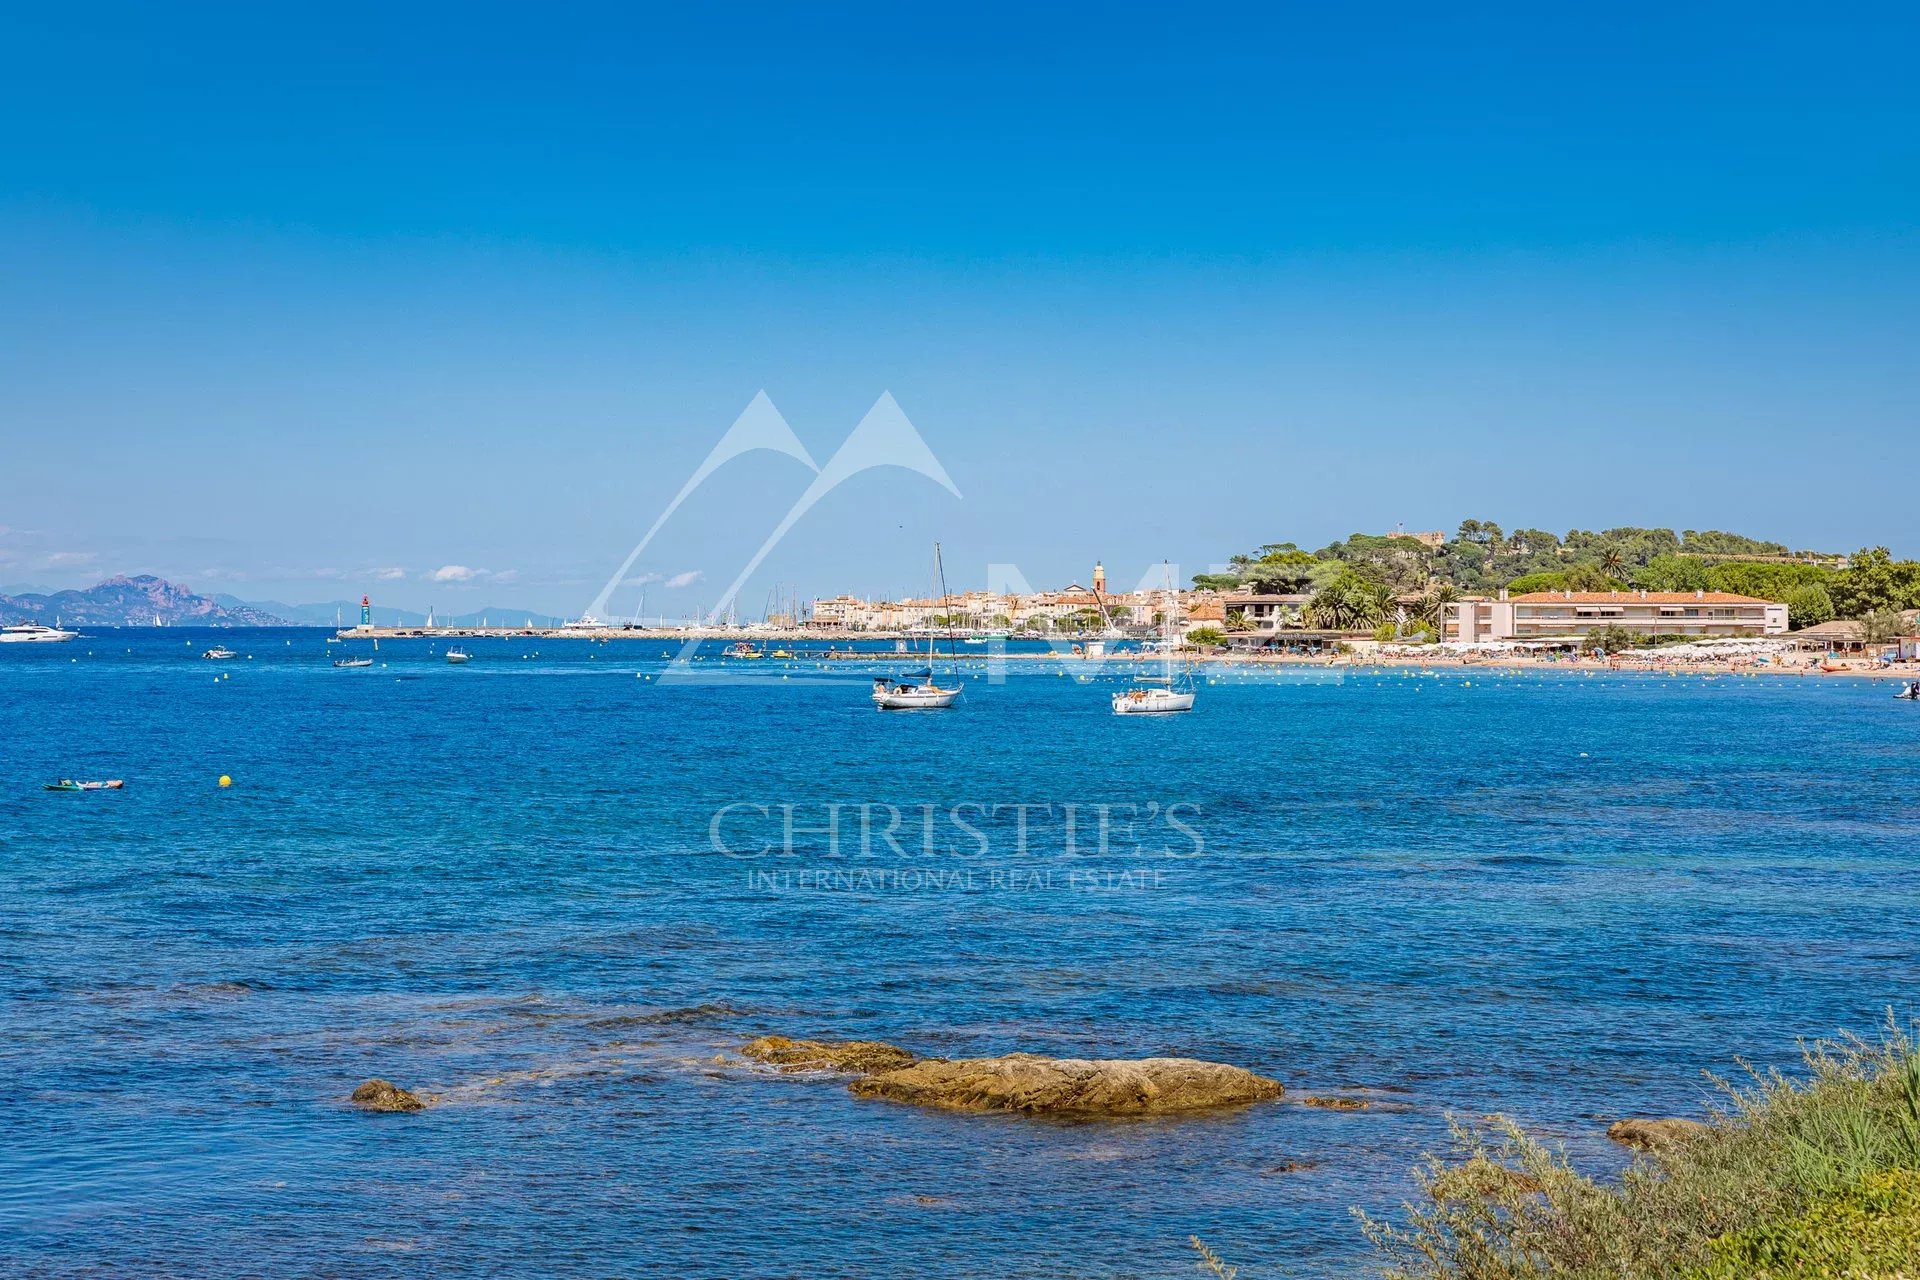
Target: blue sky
300,303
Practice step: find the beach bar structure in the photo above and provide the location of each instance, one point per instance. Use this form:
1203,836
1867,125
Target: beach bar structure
1557,614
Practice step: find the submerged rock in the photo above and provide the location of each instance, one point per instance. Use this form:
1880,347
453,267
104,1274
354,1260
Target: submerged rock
1337,1104
1030,1084
1654,1135
383,1095
861,1057
1481,1179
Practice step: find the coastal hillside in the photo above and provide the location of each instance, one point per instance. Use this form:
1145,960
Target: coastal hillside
1356,581
132,602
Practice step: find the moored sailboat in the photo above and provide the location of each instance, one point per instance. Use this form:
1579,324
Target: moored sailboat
916,690
1164,693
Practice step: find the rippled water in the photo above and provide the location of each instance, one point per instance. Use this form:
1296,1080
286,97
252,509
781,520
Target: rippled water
1561,896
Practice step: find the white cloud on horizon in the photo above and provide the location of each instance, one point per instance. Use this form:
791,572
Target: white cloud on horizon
686,579
456,573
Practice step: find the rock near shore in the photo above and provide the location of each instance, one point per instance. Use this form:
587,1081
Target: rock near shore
384,1095
1029,1084
1654,1135
862,1057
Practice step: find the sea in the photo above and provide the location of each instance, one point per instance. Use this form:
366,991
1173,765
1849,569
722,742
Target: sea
557,888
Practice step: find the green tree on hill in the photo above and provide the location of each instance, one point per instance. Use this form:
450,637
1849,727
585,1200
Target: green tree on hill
1808,606
1577,577
1674,573
1714,542
1404,564
1875,580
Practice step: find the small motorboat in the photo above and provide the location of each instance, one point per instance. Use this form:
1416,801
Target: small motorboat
458,656
68,784
1909,692
745,650
343,663
219,653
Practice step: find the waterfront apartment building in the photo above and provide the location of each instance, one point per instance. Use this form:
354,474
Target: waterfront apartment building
1547,615
1262,611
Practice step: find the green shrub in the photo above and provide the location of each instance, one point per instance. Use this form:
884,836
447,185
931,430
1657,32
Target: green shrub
1869,1231
1791,1166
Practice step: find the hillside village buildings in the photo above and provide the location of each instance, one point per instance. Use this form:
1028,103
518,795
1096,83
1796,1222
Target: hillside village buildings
1071,608
1255,620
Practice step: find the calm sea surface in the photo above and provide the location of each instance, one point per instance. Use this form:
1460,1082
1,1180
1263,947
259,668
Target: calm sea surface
1560,896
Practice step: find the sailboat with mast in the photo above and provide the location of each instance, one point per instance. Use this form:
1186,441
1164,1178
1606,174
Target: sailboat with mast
918,690
1164,693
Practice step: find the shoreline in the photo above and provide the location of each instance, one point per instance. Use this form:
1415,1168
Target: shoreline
1650,664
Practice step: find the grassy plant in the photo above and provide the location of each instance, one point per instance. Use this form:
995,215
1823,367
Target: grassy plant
1777,1152
1210,1260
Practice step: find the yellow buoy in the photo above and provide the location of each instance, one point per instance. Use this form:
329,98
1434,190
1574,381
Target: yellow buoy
225,781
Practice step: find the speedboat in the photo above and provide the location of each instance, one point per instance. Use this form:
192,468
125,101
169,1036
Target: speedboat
743,649
1910,692
458,656
219,652
911,692
68,784
344,663
33,633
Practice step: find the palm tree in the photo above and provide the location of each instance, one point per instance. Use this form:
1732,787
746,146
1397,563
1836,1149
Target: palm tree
1612,563
1374,604
1431,610
1351,602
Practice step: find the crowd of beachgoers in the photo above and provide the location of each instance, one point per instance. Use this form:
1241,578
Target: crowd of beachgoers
1729,656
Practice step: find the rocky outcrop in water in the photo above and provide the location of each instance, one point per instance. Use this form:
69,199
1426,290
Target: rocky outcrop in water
862,1057
384,1095
1335,1103
1032,1085
1654,1135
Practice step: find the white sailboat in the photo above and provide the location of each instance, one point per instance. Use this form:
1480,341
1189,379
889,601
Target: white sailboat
1165,693
918,690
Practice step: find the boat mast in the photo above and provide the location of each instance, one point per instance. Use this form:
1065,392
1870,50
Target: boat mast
940,576
1166,625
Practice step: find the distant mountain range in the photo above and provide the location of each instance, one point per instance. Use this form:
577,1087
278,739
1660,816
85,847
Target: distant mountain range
133,602
137,601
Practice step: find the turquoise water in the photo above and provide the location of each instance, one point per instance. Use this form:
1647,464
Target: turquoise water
1561,896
